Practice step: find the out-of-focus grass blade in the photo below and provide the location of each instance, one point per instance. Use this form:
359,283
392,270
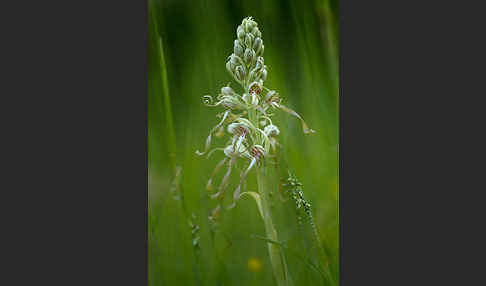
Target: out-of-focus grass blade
171,141
310,266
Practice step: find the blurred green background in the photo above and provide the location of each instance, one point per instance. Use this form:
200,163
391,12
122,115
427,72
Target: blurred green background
188,44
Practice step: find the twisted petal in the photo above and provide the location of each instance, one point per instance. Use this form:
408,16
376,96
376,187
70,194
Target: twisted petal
236,194
208,140
206,147
237,146
209,185
208,100
215,213
224,183
306,129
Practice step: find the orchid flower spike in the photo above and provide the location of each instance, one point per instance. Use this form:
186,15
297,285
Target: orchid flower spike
252,134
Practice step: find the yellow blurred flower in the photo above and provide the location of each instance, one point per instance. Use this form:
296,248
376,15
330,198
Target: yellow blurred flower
255,264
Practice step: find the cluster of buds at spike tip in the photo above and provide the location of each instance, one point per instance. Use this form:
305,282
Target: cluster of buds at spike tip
246,117
246,61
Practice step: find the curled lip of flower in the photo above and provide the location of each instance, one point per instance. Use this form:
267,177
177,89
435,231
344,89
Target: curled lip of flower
271,130
238,48
238,128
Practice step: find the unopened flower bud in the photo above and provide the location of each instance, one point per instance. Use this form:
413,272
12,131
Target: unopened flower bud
234,60
249,56
240,33
229,67
228,91
243,23
249,25
259,62
260,53
256,32
261,74
257,45
240,73
238,49
264,74
249,40
232,63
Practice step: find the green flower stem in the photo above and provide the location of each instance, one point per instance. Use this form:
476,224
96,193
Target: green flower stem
276,256
277,259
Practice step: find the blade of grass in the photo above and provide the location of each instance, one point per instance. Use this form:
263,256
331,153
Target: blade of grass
165,87
310,266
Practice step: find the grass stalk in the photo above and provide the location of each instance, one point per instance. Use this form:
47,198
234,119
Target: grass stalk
277,258
178,192
301,203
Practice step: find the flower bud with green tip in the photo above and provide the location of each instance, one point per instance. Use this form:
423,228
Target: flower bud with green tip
238,49
249,38
235,60
259,66
249,56
262,75
240,73
240,33
257,46
230,68
232,64
228,91
249,24
256,32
